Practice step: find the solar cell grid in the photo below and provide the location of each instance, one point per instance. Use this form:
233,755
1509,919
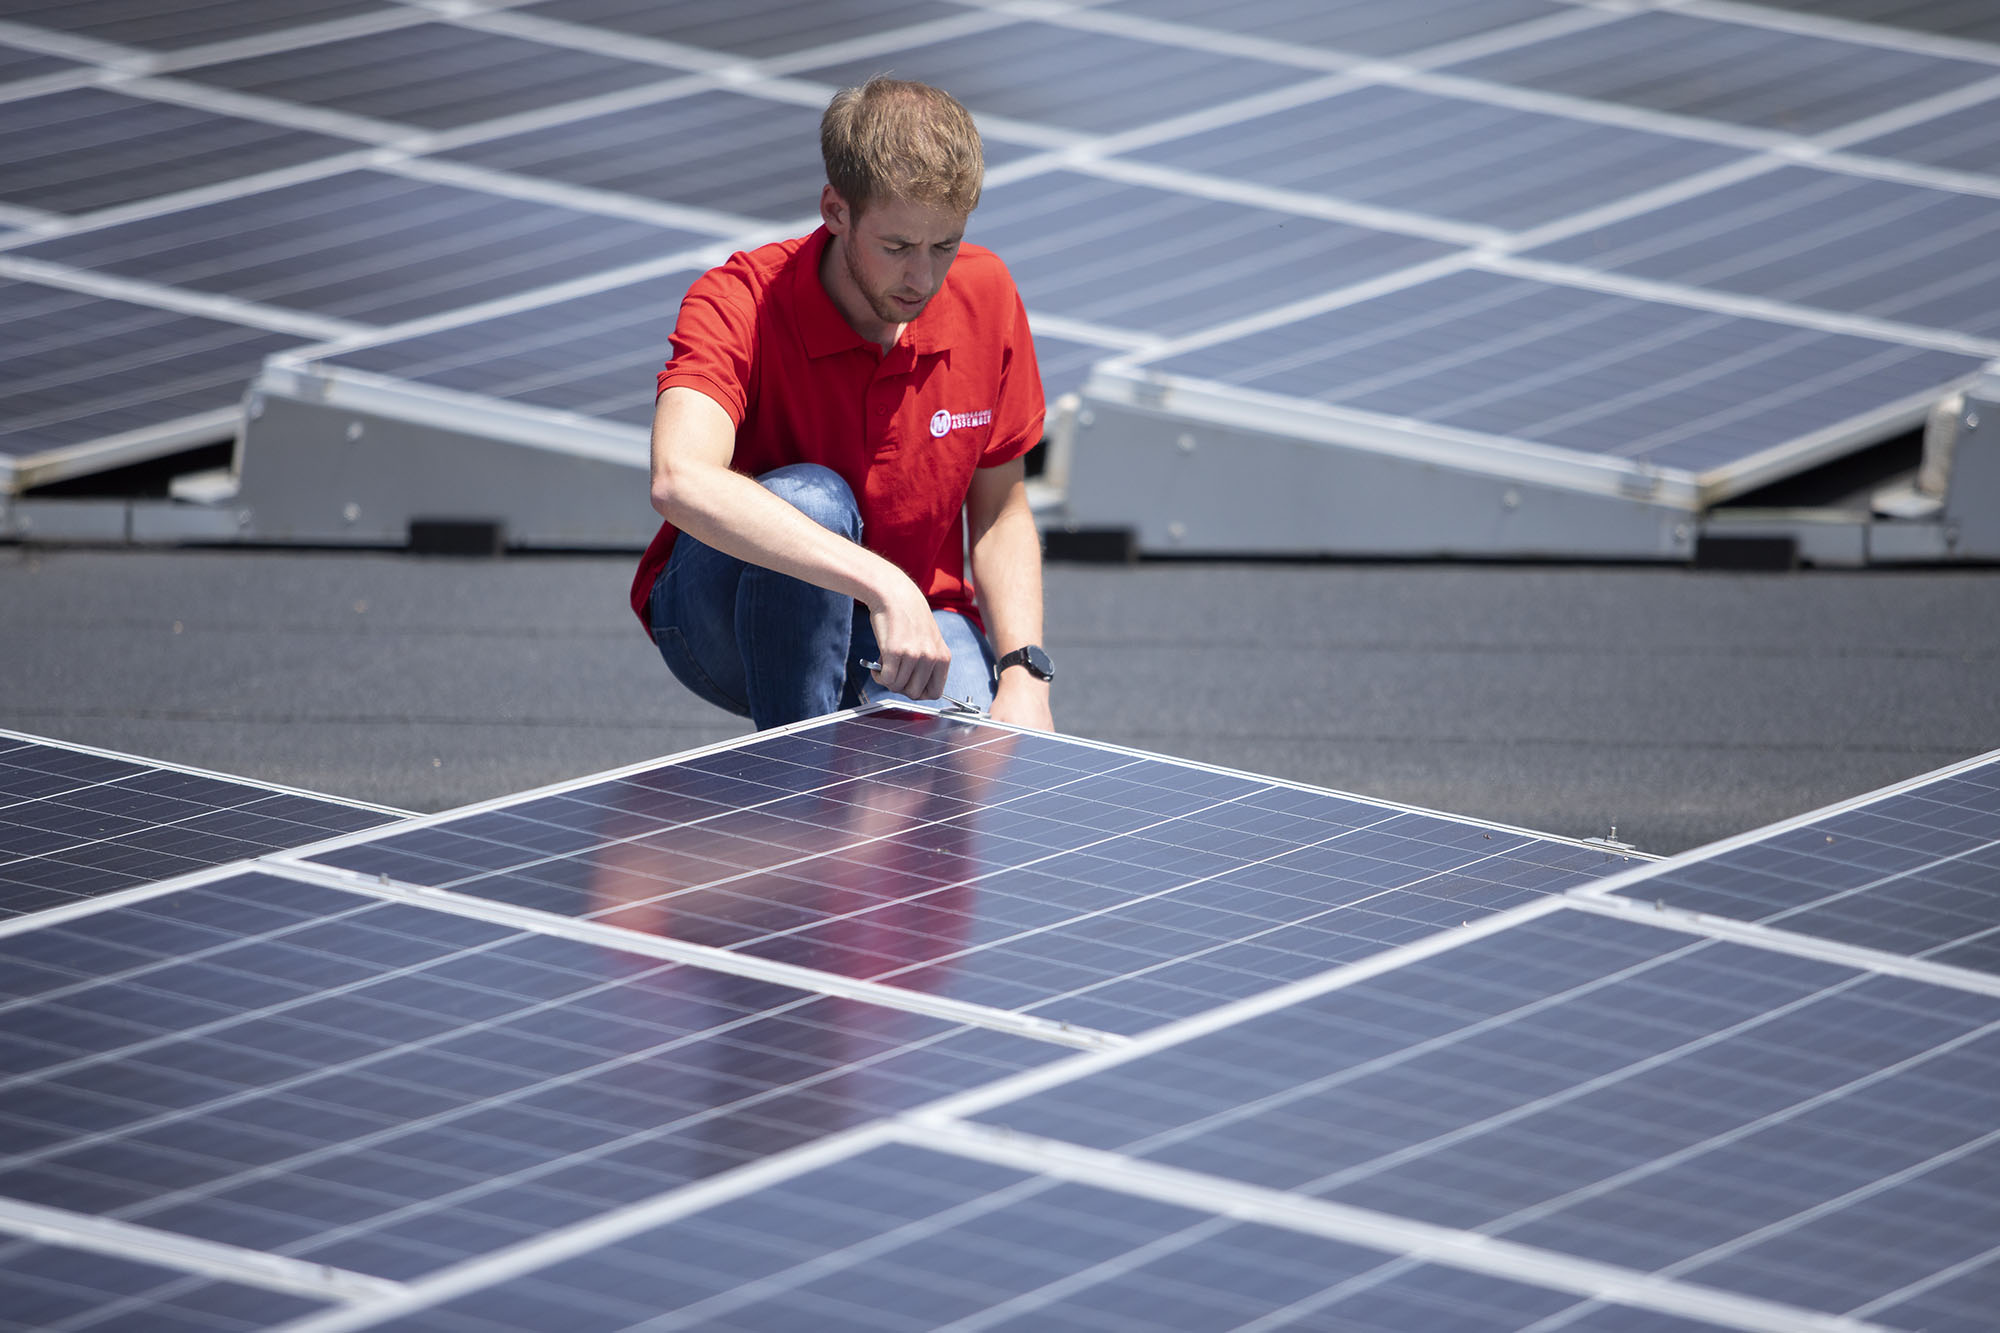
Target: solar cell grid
367,246
760,29
903,1238
389,1090
54,405
715,149
1357,26
1731,1117
90,148
142,23
1591,372
1964,140
1015,871
1159,262
1441,156
1838,242
1915,872
17,64
48,1287
435,75
1734,72
1068,78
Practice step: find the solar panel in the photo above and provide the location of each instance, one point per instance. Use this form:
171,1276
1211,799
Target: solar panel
1667,388
176,27
756,28
51,1287
1155,261
1958,18
17,64
1964,140
1816,238
716,149
400,1075
385,1090
91,148
436,75
1066,77
1358,26
1913,871
177,379
1735,72
77,823
1022,873
1442,156
367,246
594,354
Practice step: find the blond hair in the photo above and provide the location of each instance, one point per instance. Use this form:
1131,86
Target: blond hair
898,139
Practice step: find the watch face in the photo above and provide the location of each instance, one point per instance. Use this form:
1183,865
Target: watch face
1038,662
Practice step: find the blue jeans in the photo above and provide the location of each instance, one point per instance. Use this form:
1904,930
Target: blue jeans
776,649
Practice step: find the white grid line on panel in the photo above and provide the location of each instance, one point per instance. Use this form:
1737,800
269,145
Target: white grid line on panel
1018,1086
1746,307
882,44
52,42
281,40
1717,923
477,1185
251,106
528,920
583,198
1306,204
1167,32
1627,882
129,446
616,44
1858,31
697,258
1382,1232
1288,784
607,1229
207,1258
221,192
1083,331
180,300
106,902
31,219
302,853
62,81
1923,1286
414,140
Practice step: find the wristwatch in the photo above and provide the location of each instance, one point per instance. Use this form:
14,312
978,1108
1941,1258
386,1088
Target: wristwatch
1031,657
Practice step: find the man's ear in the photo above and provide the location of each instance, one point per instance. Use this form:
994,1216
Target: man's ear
833,210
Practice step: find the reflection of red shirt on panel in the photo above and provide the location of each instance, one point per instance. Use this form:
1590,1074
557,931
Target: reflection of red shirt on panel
905,430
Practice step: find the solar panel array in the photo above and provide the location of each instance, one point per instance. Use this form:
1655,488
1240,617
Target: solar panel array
1690,238
896,1020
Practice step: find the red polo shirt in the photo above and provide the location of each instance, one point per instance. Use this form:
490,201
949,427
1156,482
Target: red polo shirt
905,429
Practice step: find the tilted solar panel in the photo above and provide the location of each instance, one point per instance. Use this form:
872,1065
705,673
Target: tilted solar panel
78,823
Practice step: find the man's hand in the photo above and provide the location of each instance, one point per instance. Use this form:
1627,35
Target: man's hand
1023,700
908,644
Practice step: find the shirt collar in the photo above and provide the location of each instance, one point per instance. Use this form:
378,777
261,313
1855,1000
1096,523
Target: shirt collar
826,331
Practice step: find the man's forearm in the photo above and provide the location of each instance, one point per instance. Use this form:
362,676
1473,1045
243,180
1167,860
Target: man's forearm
1007,575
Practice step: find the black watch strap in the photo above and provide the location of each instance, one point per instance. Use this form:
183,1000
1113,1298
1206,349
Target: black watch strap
1031,657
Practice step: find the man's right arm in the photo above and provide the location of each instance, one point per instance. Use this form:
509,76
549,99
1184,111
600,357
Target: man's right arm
695,490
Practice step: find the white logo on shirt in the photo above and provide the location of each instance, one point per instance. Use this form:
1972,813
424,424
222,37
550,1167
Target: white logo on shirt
943,422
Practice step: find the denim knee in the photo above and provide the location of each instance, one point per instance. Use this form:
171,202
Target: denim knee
818,493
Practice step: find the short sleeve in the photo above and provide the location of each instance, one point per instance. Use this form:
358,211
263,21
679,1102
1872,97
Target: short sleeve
1018,408
714,340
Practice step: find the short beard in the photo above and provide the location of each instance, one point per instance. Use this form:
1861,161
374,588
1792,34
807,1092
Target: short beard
884,311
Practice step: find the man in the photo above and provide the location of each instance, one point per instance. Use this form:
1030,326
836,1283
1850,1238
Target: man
844,415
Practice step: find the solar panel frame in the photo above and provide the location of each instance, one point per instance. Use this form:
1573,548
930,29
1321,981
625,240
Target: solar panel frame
367,246
147,821
1171,888
264,1136
180,376
1905,870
